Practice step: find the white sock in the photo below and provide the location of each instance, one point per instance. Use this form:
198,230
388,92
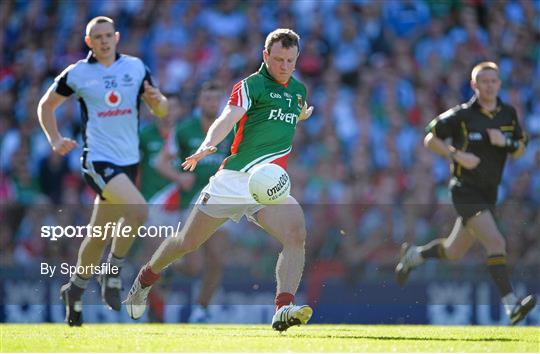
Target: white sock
509,301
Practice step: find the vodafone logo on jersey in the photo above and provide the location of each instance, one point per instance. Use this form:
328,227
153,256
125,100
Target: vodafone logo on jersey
113,98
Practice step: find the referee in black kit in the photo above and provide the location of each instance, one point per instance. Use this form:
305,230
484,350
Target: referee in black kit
482,132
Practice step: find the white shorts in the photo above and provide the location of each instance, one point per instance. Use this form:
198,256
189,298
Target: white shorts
227,196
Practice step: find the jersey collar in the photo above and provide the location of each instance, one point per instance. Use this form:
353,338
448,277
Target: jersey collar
263,70
474,103
92,60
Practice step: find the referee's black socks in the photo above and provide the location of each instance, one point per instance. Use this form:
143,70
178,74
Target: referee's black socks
497,268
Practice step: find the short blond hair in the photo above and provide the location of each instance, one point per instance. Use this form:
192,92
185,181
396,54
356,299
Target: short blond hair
96,20
287,37
485,65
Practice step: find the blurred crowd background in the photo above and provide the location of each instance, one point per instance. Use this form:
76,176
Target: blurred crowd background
377,72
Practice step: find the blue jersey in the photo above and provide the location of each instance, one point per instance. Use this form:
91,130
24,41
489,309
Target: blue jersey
110,100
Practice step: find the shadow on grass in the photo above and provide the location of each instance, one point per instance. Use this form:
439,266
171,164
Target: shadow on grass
449,339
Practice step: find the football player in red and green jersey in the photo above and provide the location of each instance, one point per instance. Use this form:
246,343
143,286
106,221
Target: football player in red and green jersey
264,110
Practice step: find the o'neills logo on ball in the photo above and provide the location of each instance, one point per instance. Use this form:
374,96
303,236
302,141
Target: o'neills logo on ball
279,186
113,98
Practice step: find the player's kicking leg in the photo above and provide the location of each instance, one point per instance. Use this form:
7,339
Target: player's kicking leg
286,223
452,248
197,229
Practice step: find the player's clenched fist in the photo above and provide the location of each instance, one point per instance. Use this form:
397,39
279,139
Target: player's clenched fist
63,145
151,94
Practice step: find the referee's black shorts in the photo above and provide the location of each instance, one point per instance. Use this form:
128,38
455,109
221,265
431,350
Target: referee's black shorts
470,201
98,173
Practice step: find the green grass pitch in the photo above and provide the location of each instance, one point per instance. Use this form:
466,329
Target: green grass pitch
258,338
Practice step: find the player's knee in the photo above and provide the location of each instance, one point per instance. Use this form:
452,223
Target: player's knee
453,254
295,235
138,214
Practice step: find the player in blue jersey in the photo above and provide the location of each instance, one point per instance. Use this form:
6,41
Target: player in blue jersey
109,87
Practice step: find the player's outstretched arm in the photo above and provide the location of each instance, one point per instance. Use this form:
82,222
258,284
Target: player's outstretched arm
155,100
47,118
216,133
